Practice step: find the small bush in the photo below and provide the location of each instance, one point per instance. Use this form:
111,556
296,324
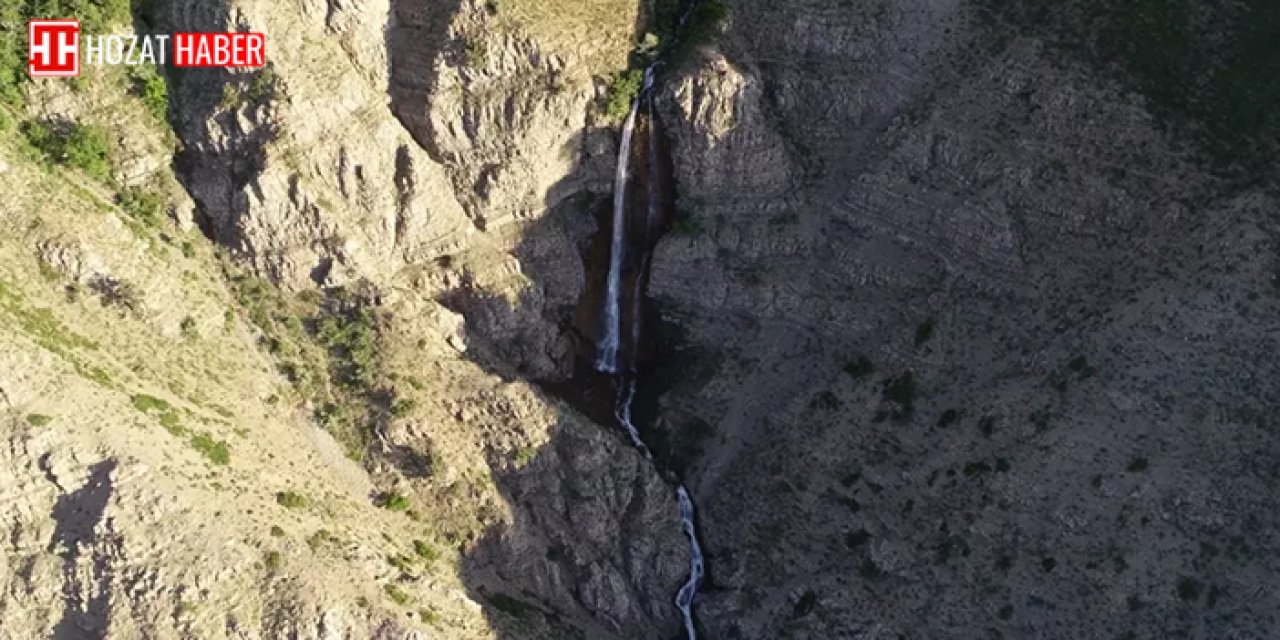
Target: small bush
475,53
291,500
147,207
393,501
688,224
924,332
1137,465
901,390
622,93
188,327
273,560
145,403
321,539
80,146
276,531
402,563
804,606
426,550
217,451
264,87
397,594
151,88
38,420
859,368
1189,588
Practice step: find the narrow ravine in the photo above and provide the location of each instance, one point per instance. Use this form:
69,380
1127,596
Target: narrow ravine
643,197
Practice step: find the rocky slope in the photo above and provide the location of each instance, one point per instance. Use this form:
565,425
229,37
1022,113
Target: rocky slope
166,465
976,347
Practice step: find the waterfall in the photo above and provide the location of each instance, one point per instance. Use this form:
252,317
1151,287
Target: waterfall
607,354
636,227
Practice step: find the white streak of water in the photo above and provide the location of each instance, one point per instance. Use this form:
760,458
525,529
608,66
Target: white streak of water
684,599
610,343
626,394
607,352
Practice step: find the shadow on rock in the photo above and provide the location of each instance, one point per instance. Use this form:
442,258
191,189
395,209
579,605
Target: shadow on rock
593,548
78,515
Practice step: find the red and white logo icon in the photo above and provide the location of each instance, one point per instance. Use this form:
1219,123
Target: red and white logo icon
53,48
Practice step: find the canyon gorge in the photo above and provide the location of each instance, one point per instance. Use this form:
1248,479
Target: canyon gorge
731,320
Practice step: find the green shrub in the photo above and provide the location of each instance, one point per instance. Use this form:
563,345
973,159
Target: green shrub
859,368
151,88
38,420
217,451
145,403
622,93
291,500
277,531
393,501
475,53
397,594
80,146
188,328
321,539
273,560
426,550
264,86
147,207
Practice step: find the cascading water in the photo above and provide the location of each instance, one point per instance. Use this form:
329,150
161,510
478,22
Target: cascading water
610,342
631,243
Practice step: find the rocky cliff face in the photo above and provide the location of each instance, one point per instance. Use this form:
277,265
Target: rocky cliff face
976,346
432,159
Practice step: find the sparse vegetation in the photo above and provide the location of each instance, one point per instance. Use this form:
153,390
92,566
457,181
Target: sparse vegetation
901,390
804,606
83,147
475,53
320,540
327,347
687,224
1208,73
94,17
425,550
273,561
291,500
46,330
1189,588
859,368
149,85
923,333
393,501
397,595
146,207
217,451
38,420
513,607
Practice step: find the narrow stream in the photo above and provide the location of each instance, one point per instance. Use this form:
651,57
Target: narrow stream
639,218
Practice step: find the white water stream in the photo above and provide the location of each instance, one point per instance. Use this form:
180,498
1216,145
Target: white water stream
609,348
